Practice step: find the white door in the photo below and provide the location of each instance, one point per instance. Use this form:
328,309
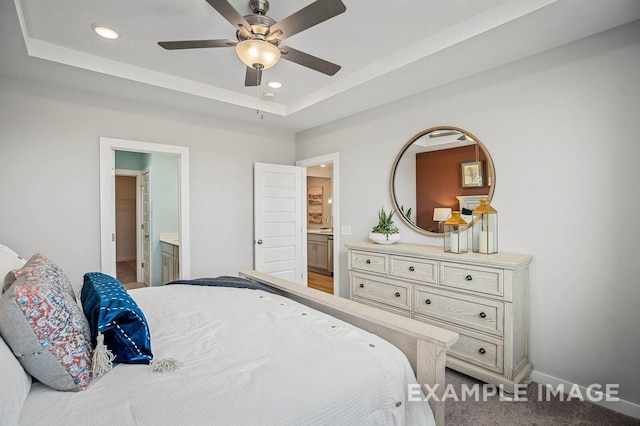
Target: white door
278,221
146,230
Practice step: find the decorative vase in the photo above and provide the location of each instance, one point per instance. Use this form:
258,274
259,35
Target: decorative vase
384,239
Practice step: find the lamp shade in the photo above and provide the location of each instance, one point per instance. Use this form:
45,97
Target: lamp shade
440,214
258,54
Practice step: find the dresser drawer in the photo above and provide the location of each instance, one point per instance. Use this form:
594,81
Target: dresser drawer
373,262
380,290
473,278
473,312
483,351
414,269
397,311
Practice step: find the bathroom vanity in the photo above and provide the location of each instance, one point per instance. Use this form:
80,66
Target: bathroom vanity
320,251
170,257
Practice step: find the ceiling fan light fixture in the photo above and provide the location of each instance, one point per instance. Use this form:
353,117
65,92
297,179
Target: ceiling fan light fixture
258,54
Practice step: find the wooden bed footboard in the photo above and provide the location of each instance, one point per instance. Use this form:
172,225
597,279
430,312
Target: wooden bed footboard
423,344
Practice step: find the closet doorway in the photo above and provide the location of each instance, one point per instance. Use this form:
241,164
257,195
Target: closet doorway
128,202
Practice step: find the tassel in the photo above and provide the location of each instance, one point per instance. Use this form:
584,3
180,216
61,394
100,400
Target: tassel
165,365
102,361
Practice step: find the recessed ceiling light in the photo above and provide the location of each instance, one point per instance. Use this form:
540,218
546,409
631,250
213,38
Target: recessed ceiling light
323,165
105,32
274,84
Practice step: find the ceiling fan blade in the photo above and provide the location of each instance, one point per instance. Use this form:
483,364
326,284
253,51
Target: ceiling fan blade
196,44
317,12
309,61
253,77
229,13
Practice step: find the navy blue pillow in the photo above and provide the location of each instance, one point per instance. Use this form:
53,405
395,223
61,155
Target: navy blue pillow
112,312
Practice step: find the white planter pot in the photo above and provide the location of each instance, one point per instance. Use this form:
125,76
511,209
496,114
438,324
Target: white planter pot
384,239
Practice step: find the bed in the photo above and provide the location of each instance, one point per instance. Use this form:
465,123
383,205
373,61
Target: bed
289,355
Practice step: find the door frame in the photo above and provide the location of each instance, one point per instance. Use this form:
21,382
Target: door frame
138,176
108,146
333,158
145,171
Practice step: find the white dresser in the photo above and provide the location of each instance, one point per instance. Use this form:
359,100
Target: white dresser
481,297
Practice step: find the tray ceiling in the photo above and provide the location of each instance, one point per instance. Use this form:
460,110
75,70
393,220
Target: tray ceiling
387,50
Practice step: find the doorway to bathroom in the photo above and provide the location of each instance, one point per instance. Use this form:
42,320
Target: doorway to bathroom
322,222
169,166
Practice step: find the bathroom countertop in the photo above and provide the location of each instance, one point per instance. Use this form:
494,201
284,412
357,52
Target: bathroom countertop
320,231
170,238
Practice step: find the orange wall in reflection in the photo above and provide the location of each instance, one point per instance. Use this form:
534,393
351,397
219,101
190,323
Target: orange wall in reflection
439,181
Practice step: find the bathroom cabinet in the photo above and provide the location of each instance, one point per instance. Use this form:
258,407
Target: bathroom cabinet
318,250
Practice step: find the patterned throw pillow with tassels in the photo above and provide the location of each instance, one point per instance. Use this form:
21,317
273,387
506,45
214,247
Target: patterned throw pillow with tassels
119,329
44,326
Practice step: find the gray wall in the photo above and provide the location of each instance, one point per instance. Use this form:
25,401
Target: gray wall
562,128
49,183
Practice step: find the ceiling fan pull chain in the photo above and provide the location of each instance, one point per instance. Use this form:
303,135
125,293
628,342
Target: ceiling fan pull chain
258,98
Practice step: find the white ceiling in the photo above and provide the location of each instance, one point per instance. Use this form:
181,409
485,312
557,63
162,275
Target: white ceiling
387,49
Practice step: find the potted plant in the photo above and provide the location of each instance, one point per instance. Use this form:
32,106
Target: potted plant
385,232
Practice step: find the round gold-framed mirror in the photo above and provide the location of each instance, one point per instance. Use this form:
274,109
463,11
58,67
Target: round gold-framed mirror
439,170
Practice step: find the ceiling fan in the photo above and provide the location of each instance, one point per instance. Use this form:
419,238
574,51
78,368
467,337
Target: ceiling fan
259,37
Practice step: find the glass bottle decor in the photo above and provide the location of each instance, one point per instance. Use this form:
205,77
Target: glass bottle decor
484,230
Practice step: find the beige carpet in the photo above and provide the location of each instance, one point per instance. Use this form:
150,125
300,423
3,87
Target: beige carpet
532,412
126,274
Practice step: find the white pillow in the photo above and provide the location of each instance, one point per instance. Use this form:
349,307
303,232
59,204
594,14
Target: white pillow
9,260
15,386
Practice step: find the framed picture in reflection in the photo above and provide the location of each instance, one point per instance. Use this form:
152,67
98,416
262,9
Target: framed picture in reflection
471,174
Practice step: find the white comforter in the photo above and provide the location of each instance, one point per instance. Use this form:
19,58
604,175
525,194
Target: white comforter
250,358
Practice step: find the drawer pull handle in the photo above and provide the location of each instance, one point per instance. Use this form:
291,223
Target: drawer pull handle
411,268
368,261
397,294
361,285
428,301
482,351
483,315
468,278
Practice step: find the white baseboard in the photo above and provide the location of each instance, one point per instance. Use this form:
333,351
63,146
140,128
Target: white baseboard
621,406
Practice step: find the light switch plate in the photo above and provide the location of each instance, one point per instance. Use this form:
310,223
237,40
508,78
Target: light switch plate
345,230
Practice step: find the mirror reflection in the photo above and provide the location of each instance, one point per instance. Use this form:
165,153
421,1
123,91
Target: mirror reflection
440,170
